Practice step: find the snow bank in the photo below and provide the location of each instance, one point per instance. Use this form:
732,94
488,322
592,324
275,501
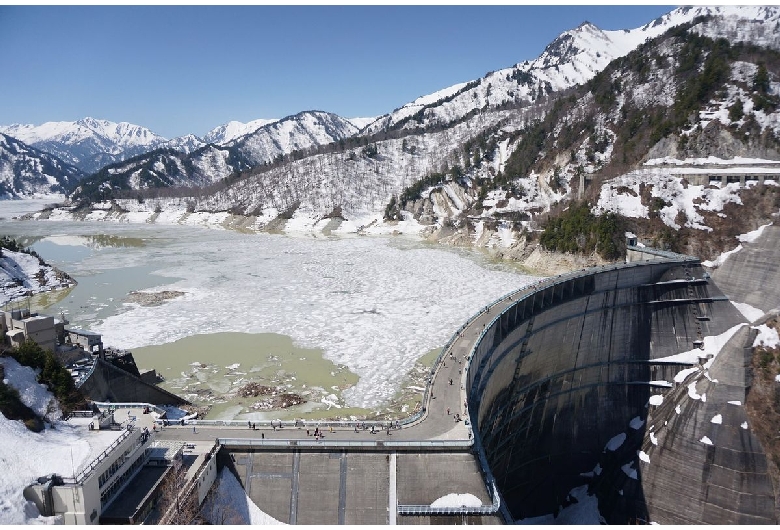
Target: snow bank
457,500
712,346
752,236
62,449
230,504
748,311
33,394
766,337
720,260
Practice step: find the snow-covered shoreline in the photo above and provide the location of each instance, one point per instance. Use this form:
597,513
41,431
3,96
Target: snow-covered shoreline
23,274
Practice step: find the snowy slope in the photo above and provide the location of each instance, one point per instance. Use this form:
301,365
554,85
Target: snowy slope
62,448
234,129
296,132
184,144
360,123
22,273
574,58
28,172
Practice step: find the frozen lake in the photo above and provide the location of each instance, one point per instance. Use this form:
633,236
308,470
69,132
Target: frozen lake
373,304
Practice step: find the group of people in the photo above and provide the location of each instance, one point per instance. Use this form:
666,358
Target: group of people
318,434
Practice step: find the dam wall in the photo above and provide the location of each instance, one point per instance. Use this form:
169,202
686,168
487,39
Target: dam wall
572,363
106,382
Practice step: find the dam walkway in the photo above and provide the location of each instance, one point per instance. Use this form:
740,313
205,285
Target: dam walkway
365,472
377,472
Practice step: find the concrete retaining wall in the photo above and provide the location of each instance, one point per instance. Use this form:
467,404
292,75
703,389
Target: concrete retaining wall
106,382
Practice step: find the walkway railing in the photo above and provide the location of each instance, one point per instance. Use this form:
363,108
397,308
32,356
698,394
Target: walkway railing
104,405
84,472
418,509
357,444
83,377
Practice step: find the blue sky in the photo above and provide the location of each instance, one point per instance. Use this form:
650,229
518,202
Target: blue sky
187,69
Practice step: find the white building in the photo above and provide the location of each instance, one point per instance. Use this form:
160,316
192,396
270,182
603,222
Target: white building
19,324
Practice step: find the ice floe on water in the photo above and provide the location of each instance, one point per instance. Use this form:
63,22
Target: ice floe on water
374,304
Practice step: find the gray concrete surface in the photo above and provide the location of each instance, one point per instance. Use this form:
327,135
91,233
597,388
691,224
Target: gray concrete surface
751,275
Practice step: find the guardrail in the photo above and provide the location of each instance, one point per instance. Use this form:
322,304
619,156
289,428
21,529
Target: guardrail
83,377
82,474
155,408
418,509
372,444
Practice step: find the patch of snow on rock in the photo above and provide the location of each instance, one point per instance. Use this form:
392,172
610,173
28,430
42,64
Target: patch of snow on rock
636,423
718,418
766,337
33,394
706,440
656,399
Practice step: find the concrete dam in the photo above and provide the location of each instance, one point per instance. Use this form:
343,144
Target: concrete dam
560,386
628,382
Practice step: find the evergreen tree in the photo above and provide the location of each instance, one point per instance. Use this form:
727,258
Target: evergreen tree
761,79
736,111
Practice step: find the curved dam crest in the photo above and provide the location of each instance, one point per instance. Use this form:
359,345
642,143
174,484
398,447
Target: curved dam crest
568,370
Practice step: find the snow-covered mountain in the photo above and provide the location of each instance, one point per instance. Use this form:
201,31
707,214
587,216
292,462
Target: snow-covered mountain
361,123
214,162
486,175
26,172
184,144
91,144
88,144
573,58
232,130
294,133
